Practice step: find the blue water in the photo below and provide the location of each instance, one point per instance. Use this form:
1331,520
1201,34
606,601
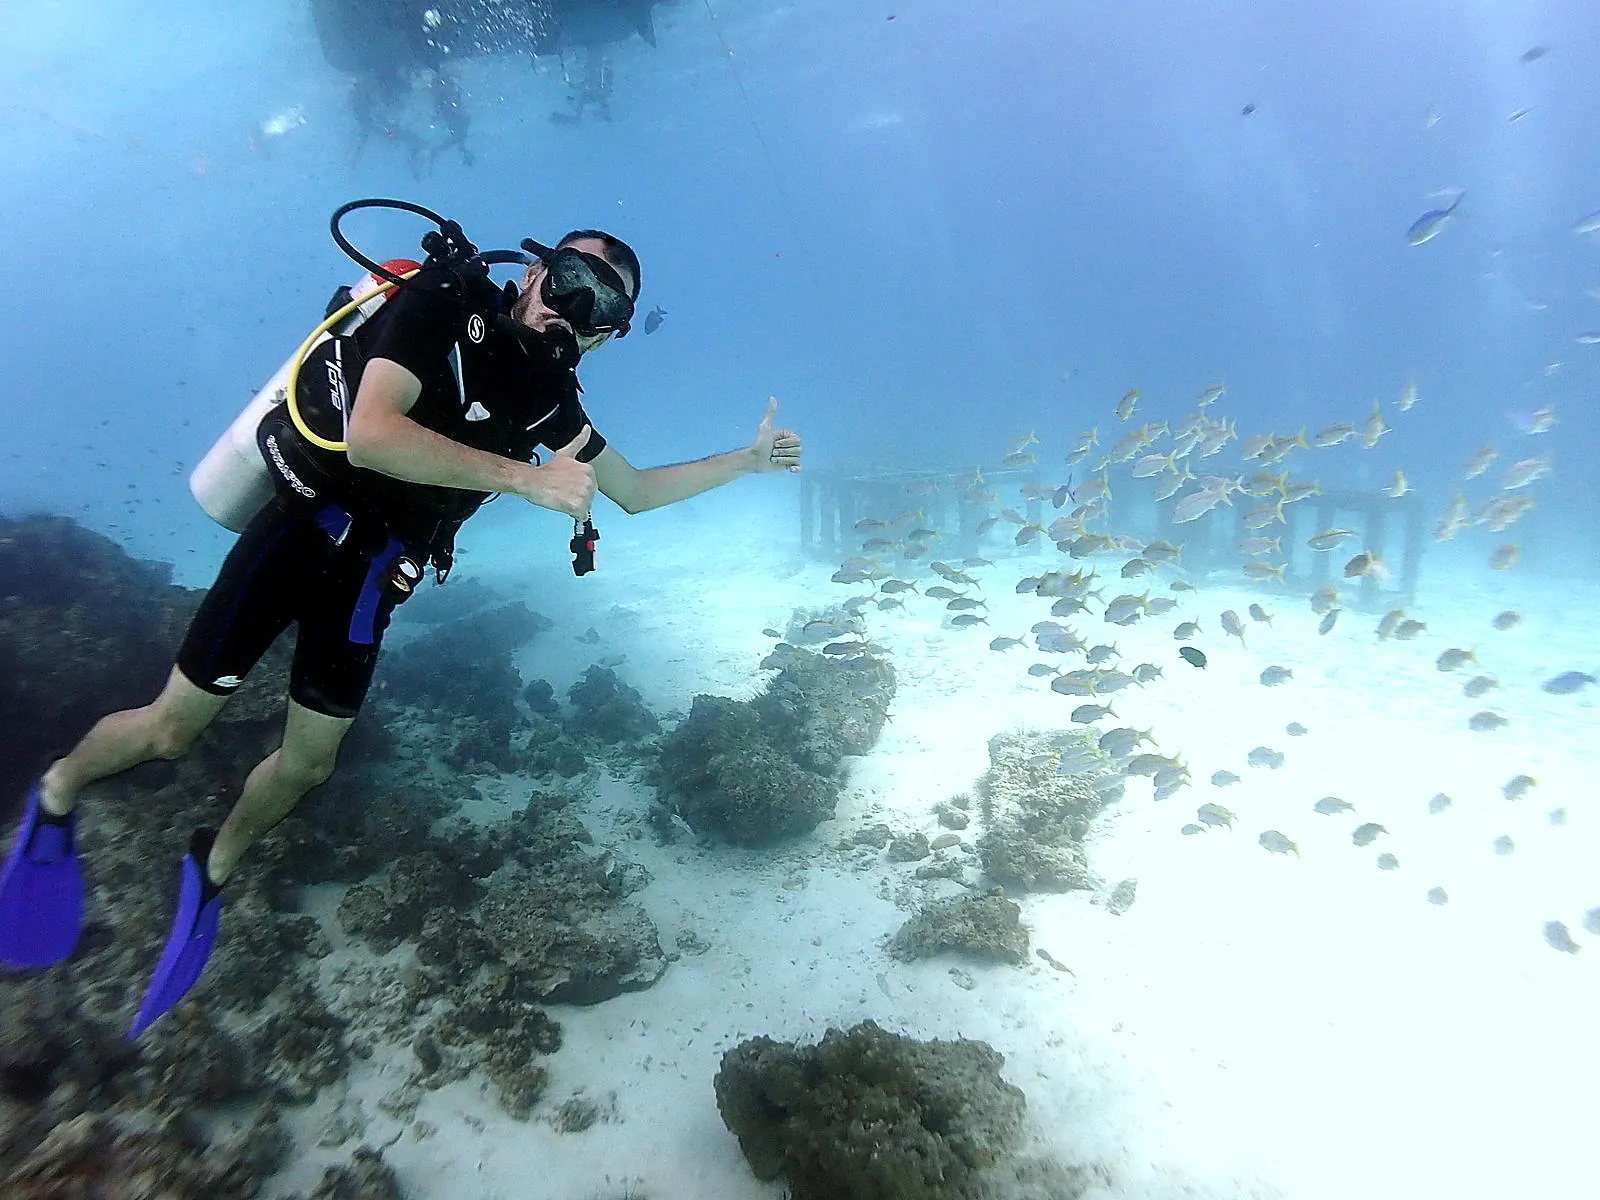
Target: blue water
927,228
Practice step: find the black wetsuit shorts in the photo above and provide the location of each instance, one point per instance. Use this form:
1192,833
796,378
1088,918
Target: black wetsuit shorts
319,570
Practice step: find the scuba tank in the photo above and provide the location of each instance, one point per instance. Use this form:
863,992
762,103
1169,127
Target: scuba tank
232,483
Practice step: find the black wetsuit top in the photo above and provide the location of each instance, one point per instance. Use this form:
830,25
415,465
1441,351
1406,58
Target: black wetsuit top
480,388
319,555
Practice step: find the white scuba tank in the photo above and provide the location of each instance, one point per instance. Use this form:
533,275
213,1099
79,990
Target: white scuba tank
231,482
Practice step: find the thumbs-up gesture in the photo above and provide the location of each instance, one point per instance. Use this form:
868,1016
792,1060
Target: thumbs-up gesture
775,449
562,482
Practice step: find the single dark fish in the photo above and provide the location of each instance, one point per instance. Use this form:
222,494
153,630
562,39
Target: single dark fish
1567,682
653,319
1247,110
1427,226
1192,656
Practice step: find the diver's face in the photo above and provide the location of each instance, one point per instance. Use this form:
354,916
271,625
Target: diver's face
532,311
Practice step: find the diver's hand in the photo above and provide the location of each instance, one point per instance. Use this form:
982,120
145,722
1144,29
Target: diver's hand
563,483
775,449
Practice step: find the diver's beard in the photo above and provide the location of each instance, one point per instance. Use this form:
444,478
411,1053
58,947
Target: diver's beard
555,345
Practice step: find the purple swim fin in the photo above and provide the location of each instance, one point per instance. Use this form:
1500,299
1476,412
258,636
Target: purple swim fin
194,932
41,890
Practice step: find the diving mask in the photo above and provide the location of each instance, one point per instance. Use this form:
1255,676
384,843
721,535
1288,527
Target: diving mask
584,290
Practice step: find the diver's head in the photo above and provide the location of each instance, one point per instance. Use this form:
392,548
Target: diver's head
583,287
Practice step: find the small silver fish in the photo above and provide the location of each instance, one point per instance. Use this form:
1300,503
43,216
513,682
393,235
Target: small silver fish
1567,682
1265,756
1223,779
1275,676
1232,624
1121,741
1427,226
1088,714
1277,843
1518,786
1439,803
1556,934
1215,814
1365,835
1437,895
1503,845
1330,805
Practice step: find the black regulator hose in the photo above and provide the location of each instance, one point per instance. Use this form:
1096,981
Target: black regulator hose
448,244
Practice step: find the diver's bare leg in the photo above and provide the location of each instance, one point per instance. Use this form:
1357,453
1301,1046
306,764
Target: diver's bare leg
306,758
164,728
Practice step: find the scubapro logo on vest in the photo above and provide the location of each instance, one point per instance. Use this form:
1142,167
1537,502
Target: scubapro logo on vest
286,471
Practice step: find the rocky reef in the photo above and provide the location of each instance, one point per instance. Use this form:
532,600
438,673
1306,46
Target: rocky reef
987,927
869,1115
757,771
1035,804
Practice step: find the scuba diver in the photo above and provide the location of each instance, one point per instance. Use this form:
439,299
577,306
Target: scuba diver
396,49
591,89
343,504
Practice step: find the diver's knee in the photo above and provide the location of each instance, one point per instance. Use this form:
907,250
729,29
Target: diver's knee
304,771
171,739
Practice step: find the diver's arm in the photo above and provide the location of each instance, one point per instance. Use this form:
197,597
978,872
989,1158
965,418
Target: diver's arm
636,491
383,438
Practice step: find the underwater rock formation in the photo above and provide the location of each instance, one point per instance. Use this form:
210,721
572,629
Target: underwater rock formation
96,1155
461,672
84,629
365,1177
1034,816
988,926
756,771
590,943
608,710
870,1115
502,921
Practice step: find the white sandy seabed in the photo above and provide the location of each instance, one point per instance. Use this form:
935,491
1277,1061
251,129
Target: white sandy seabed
1255,1025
